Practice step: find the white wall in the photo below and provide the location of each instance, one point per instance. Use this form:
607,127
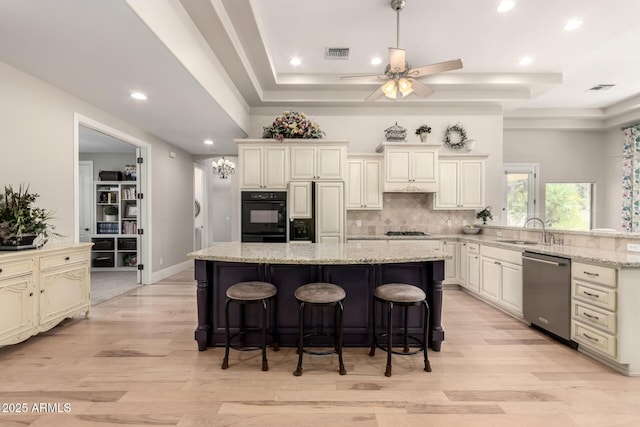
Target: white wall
37,146
364,129
564,156
612,163
109,162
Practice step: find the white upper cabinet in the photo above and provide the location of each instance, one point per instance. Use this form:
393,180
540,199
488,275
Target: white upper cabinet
314,162
364,183
460,182
300,199
410,167
263,166
330,212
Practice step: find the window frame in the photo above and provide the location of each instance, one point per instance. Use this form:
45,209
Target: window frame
531,169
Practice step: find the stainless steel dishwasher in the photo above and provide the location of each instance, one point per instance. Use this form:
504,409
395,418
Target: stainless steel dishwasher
546,294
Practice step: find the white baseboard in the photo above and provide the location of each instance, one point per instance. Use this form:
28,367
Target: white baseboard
156,276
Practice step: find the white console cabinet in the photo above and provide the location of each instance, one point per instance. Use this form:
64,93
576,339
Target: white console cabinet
40,288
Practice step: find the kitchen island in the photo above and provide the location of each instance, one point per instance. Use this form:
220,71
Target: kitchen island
357,267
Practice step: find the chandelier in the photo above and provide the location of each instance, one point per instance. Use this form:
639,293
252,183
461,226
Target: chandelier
223,168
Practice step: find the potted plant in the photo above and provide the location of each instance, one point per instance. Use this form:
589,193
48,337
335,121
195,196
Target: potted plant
484,214
21,223
111,213
423,131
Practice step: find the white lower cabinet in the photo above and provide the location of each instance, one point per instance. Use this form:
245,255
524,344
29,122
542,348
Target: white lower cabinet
501,278
470,266
39,289
452,265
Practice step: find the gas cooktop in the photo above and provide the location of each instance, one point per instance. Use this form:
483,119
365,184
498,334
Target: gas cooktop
406,233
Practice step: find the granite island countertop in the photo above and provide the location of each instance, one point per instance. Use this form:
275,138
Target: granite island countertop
373,252
616,259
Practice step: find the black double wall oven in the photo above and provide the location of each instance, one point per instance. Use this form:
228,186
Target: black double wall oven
264,216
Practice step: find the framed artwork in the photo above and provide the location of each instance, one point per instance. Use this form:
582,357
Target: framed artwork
132,210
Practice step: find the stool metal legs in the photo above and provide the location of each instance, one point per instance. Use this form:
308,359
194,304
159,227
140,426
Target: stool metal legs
405,338
338,335
242,331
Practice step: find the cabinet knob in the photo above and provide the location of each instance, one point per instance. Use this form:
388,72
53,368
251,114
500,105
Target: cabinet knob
30,294
0,270
67,258
42,291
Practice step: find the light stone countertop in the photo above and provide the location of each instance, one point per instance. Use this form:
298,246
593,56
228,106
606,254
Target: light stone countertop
616,259
374,252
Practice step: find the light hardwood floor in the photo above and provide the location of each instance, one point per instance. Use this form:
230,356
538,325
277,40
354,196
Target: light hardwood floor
134,362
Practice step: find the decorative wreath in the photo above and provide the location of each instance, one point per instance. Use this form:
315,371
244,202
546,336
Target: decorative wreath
455,137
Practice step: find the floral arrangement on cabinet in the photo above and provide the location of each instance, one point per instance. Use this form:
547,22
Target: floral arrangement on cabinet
292,124
485,214
423,131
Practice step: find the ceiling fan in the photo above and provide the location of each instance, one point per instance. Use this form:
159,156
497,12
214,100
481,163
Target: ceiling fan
399,74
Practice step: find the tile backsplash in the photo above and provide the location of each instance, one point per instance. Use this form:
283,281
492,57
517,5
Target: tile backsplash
407,212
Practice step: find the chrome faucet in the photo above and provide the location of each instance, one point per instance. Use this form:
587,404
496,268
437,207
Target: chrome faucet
544,231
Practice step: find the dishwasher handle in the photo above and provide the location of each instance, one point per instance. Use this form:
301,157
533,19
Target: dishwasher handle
544,261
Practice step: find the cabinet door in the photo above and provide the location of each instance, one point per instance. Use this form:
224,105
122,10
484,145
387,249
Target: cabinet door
300,200
451,265
275,167
251,167
16,309
355,182
490,283
471,184
447,195
329,211
372,180
63,292
511,292
423,166
473,272
303,163
397,165
330,163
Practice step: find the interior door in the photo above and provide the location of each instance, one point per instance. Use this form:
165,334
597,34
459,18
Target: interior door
85,194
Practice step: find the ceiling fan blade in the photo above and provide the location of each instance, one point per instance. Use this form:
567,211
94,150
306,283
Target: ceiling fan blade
375,95
364,76
440,67
420,88
397,60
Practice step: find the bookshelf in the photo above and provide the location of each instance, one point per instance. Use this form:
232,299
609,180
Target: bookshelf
115,236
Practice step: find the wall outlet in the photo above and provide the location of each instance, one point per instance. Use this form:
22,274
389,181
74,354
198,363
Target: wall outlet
633,247
449,223
358,223
464,222
498,233
160,261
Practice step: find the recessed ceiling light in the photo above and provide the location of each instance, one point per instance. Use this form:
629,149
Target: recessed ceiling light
295,61
506,5
525,60
572,24
376,60
139,96
208,142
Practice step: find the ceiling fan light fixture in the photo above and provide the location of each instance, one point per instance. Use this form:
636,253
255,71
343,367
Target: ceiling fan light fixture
405,87
390,89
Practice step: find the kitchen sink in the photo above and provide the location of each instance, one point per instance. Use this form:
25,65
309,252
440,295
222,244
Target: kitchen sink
518,242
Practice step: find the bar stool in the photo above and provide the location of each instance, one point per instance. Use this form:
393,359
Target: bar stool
244,293
403,295
320,295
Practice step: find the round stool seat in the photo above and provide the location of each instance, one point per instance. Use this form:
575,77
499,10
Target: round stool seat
399,292
320,293
250,291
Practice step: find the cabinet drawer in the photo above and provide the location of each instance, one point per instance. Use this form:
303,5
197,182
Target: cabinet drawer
16,268
64,258
473,248
595,295
594,339
594,273
506,255
598,318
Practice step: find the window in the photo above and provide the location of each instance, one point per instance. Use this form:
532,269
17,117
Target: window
568,205
519,189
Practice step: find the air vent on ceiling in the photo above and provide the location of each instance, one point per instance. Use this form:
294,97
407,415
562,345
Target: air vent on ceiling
337,53
602,87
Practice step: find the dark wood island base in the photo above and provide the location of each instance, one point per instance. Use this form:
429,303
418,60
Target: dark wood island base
358,280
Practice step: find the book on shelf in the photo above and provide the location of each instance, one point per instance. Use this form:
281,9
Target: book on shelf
107,228
129,227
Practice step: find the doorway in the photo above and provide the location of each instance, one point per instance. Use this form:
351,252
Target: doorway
112,201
